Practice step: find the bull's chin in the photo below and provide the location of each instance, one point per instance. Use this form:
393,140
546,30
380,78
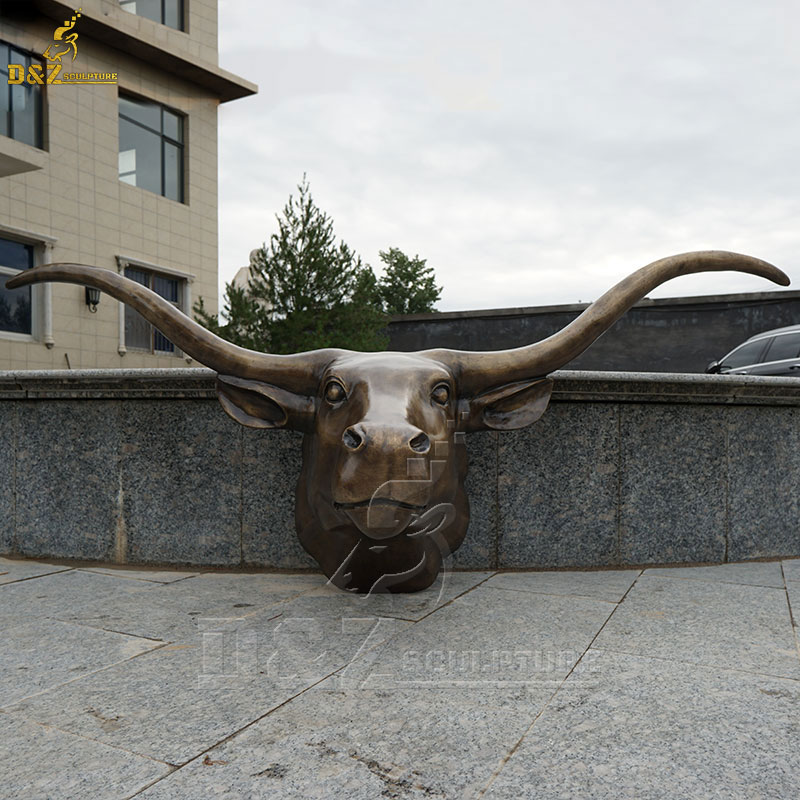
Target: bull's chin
381,519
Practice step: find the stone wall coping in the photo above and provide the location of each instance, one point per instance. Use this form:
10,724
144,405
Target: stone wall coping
663,387
571,385
96,384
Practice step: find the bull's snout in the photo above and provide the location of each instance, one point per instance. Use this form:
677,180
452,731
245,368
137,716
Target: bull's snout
395,438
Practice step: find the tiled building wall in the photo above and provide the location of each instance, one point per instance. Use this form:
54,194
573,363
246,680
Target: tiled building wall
78,199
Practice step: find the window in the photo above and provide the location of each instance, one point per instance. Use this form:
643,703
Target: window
15,305
743,356
139,333
20,103
167,12
151,147
787,345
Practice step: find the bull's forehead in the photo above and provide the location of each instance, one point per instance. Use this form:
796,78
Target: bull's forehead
380,369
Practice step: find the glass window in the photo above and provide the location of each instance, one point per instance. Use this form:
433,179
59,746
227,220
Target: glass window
144,112
786,345
20,104
173,126
167,12
151,147
139,333
743,356
172,14
15,305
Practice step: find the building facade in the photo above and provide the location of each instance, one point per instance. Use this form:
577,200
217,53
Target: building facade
115,166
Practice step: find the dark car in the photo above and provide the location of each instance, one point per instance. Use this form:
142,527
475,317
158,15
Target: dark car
775,352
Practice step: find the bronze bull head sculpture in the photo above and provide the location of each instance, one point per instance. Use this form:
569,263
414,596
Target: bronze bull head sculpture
381,500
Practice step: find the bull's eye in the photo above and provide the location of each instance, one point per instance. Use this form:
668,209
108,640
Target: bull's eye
441,394
334,392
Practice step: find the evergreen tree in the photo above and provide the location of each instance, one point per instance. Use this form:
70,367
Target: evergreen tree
304,292
247,326
408,286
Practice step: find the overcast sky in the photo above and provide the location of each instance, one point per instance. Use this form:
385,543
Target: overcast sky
533,152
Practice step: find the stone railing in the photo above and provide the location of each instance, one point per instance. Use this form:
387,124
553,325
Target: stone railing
143,466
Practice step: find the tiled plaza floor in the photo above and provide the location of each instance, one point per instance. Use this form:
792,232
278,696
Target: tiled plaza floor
656,683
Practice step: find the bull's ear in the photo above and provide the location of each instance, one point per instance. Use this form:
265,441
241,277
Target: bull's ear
505,408
261,405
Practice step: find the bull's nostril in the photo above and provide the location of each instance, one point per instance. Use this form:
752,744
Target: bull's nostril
351,439
420,443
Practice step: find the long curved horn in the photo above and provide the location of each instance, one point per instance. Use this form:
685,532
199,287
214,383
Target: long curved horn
298,372
477,370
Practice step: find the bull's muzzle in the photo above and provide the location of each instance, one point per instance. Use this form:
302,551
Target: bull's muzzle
386,438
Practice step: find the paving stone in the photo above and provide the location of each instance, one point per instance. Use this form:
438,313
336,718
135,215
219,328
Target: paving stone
19,570
158,611
364,744
154,576
408,710
172,611
793,593
183,455
791,569
413,606
67,497
558,487
68,595
177,701
430,714
40,653
143,608
755,573
669,514
648,729
41,763
608,585
716,624
489,638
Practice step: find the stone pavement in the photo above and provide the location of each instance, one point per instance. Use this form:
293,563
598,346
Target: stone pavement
662,683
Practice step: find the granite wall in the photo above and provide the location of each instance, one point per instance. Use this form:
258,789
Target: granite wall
144,467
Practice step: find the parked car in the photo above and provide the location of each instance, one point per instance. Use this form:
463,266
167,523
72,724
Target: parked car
775,352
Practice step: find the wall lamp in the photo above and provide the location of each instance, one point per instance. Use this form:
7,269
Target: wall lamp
92,299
